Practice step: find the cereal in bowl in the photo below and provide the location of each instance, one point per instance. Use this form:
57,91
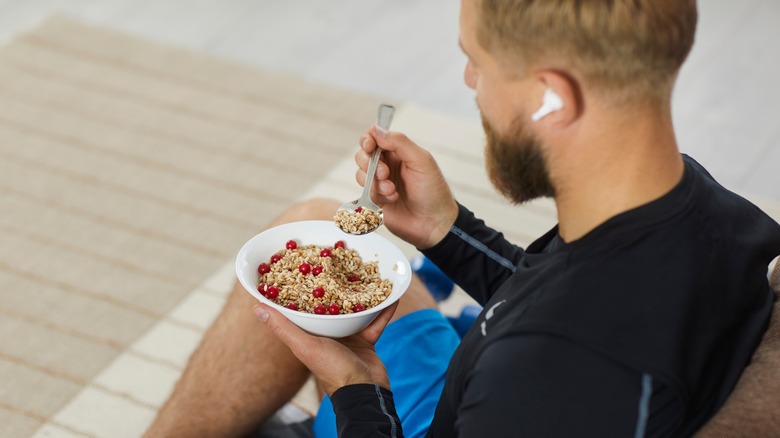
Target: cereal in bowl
322,280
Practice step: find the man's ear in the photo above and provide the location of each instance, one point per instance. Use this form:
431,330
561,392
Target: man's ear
560,103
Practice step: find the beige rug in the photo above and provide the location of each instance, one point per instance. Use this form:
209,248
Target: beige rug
130,174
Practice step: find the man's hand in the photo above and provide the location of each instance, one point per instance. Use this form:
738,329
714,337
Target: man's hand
417,202
334,362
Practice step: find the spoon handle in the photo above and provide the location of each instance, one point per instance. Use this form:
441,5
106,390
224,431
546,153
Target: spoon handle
385,115
383,119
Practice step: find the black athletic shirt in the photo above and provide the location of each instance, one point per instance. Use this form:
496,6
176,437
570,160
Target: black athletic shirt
641,328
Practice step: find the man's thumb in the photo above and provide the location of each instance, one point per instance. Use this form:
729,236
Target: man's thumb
398,143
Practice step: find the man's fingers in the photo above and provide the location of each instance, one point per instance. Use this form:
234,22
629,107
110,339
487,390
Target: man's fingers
367,142
383,187
372,332
285,330
399,143
382,171
301,342
404,149
290,334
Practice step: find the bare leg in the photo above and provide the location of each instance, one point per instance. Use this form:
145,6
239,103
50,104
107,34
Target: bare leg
241,374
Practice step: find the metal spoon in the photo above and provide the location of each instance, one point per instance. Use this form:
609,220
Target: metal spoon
383,119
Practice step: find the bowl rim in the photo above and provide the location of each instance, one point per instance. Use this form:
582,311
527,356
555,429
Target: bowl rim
373,311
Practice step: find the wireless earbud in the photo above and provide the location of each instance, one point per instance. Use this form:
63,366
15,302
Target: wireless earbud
551,103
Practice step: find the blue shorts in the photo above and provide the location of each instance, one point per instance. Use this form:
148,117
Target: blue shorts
416,350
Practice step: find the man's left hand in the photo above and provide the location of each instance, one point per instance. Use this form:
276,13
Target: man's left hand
334,362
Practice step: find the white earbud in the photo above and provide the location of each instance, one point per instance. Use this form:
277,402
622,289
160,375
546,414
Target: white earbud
551,103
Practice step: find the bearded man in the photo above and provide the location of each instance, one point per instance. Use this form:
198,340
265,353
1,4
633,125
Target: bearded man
634,316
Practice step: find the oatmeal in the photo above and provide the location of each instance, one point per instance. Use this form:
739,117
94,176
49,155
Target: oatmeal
322,280
358,221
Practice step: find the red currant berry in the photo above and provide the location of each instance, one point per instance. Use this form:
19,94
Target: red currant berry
358,308
263,268
326,252
319,309
340,244
262,288
317,270
353,277
358,210
305,268
291,245
272,292
318,292
275,258
334,309
292,306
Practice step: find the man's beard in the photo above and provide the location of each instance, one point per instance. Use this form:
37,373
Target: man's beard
516,164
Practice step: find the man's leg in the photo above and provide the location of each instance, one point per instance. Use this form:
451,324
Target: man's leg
241,374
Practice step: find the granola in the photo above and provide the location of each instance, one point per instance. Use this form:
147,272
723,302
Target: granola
322,280
358,221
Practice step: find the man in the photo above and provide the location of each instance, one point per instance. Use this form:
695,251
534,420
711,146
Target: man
634,316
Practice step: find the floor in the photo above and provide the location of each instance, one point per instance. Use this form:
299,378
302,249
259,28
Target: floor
725,107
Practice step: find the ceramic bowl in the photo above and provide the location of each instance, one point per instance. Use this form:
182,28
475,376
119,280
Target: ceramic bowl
392,263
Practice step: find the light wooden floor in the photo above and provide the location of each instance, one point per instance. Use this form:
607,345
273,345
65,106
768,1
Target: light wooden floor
726,104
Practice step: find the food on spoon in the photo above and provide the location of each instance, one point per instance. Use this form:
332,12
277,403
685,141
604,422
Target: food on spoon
358,221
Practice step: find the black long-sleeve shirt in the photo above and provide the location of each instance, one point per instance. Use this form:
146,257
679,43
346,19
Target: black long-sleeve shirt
640,328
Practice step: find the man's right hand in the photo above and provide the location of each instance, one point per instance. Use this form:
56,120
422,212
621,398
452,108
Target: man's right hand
417,202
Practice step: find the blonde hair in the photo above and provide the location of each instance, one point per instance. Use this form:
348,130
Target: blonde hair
627,49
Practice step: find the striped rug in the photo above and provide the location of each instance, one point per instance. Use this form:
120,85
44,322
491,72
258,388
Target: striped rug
130,174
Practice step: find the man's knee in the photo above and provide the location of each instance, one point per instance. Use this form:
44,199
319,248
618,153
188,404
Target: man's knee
311,209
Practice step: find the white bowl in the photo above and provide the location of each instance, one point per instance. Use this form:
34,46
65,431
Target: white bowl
393,266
